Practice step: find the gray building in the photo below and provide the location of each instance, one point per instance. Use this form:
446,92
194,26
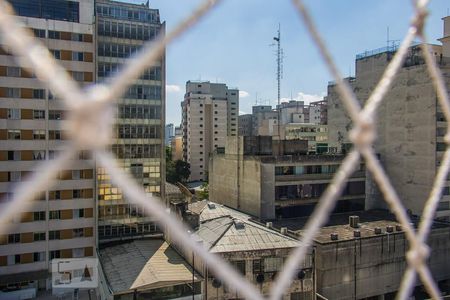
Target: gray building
169,134
363,255
122,28
275,179
210,114
410,123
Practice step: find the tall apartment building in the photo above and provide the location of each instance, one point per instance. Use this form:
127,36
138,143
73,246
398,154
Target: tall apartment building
122,28
210,114
60,222
410,123
169,134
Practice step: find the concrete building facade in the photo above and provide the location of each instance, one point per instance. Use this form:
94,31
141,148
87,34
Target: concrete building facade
210,114
122,29
410,124
61,221
255,179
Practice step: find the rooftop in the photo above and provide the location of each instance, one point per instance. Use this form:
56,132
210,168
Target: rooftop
226,230
339,224
143,264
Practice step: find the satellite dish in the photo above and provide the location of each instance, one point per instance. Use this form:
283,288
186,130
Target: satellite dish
216,283
260,278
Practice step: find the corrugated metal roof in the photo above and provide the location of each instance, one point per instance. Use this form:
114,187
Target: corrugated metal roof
143,264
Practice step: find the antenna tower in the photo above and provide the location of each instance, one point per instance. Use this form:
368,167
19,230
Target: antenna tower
279,62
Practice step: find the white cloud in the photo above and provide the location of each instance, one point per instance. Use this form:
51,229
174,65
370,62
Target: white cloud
243,94
307,98
173,88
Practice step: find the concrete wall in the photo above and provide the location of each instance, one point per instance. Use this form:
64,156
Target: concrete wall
239,188
406,124
377,264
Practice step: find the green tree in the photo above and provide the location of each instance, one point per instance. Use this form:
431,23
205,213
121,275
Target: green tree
204,191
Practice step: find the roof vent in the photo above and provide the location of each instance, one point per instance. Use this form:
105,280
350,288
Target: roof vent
334,236
356,233
389,229
269,224
239,225
211,206
283,230
353,221
377,230
398,227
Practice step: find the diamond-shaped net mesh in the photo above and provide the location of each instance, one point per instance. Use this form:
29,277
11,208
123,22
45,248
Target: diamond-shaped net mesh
92,108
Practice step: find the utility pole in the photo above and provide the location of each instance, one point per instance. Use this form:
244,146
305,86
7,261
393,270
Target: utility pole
279,77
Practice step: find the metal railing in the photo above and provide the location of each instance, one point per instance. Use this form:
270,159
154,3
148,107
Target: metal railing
91,120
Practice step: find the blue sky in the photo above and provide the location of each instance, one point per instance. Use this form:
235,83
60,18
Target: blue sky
232,44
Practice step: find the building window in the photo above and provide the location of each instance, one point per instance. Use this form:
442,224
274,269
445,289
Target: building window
76,194
76,174
78,37
39,94
38,114
54,254
13,72
14,176
38,256
55,115
14,238
54,235
54,35
13,134
13,259
39,236
77,232
55,215
39,216
78,213
78,76
38,134
56,54
239,265
273,264
13,155
39,33
39,155
13,92
77,56
13,113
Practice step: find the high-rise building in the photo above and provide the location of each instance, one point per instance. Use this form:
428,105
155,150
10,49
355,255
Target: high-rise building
169,134
60,223
122,28
210,114
410,123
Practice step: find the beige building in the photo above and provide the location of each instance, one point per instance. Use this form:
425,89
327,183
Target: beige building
271,179
177,148
61,221
410,123
315,134
210,114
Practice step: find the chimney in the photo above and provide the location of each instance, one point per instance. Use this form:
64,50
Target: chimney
334,236
356,233
377,230
269,224
389,229
284,230
353,221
